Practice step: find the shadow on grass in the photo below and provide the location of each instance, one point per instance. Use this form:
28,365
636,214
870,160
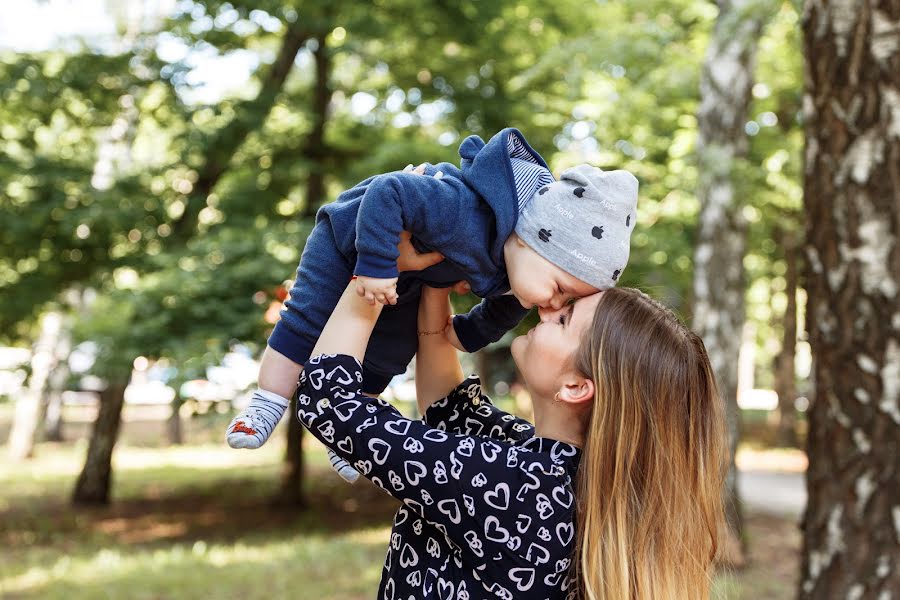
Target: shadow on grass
223,510
215,537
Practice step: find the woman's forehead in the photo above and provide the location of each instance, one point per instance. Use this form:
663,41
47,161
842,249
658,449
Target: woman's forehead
583,308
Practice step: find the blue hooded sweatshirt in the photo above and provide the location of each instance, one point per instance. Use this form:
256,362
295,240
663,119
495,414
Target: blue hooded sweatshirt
466,214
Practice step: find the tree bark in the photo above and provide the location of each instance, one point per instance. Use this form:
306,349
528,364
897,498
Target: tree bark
174,428
31,404
291,492
94,482
315,149
718,286
56,385
851,527
785,375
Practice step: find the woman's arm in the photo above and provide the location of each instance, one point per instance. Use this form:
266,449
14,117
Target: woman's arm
349,327
351,323
470,487
438,370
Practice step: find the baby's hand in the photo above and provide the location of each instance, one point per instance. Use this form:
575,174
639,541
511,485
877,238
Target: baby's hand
377,290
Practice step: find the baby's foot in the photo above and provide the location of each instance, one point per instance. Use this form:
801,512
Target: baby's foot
343,468
253,425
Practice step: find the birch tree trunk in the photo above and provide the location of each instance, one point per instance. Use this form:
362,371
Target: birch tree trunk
725,92
851,527
785,374
31,404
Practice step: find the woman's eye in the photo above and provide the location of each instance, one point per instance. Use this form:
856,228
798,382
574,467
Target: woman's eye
562,319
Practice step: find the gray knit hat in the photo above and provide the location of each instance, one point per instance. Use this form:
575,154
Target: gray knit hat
583,223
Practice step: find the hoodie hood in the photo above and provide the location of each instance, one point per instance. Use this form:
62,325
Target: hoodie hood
505,172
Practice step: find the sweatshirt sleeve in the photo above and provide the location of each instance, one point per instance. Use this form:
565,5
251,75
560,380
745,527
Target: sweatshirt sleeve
426,206
488,321
468,411
465,485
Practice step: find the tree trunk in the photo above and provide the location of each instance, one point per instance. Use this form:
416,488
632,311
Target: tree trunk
56,385
291,492
315,149
725,86
93,484
484,362
785,386
851,527
174,428
31,407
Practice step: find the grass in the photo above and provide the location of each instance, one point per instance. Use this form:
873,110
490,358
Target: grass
187,522
197,521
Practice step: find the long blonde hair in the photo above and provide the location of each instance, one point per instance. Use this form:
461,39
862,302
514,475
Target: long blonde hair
649,485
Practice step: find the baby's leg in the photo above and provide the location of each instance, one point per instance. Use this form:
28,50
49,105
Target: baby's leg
322,276
277,381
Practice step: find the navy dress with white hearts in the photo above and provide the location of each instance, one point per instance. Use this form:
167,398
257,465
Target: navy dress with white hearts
488,508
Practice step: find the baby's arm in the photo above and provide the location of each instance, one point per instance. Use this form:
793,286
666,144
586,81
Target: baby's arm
487,322
427,206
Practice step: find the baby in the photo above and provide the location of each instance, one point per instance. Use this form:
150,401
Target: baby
519,238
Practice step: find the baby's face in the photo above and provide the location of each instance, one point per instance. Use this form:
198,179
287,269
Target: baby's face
535,281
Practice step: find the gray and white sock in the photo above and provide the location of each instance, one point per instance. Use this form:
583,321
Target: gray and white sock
343,468
252,426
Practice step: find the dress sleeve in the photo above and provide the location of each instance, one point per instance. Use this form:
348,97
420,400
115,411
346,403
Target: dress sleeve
477,491
467,410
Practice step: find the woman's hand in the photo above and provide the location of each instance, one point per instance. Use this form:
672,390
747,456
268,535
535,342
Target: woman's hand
461,288
410,260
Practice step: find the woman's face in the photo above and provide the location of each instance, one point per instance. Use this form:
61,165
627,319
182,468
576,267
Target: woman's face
545,354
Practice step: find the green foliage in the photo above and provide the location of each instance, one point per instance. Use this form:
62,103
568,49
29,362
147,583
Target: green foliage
179,211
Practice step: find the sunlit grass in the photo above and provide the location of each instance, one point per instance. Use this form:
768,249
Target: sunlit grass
195,522
55,551
318,566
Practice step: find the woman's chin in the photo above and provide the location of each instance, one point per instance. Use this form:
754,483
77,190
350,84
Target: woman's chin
516,347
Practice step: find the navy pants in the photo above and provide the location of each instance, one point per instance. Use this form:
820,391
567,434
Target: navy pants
322,277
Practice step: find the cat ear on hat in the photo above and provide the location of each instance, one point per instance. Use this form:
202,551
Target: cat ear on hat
577,175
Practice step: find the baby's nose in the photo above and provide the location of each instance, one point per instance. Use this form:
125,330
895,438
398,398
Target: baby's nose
557,302
546,313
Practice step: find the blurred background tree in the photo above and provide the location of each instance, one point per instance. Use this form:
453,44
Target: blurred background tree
178,195
160,174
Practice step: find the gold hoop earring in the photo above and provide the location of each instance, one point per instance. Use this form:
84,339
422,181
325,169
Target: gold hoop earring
556,397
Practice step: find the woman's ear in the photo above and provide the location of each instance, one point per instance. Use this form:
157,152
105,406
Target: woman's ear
577,392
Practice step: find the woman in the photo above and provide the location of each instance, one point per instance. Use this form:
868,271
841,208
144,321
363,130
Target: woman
614,493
